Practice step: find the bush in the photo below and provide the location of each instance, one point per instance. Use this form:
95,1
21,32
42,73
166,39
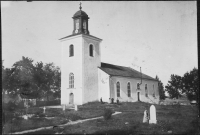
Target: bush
34,110
47,103
10,106
41,115
107,114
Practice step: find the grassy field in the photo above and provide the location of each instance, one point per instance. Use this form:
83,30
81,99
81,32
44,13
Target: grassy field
175,118
14,123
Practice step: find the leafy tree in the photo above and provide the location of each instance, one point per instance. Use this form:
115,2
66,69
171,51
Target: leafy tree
51,79
38,79
31,80
191,84
161,89
6,73
174,86
22,72
47,80
57,84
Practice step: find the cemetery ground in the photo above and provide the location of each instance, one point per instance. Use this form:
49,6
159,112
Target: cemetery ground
175,119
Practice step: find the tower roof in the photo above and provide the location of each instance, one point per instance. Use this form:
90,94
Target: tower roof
80,13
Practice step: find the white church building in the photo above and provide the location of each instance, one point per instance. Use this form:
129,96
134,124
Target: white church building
84,78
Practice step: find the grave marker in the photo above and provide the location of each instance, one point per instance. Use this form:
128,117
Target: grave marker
76,108
145,118
44,109
63,107
112,100
152,115
117,101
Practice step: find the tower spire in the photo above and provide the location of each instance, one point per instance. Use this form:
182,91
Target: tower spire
80,6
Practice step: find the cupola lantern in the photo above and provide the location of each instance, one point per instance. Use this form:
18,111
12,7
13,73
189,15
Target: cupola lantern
80,22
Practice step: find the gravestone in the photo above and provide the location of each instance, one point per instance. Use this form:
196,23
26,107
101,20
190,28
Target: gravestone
145,118
25,117
76,108
112,100
63,107
152,115
117,101
101,100
44,109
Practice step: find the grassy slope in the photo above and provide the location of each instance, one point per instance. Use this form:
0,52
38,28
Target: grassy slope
60,117
178,119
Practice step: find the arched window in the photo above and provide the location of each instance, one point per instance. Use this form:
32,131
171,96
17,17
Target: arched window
71,80
129,89
138,86
146,90
118,89
71,50
91,50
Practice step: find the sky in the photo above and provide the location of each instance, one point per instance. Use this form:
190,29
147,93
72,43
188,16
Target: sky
158,36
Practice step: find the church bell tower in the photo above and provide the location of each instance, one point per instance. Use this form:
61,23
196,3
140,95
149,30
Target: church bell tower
80,22
80,59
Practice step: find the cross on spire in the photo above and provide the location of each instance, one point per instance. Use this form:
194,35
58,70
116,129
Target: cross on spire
80,6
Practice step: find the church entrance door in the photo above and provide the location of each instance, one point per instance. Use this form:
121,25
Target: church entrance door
71,98
138,95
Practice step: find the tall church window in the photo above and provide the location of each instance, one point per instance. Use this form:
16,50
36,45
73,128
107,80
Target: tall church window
129,89
71,80
138,86
71,50
146,90
153,91
118,89
91,50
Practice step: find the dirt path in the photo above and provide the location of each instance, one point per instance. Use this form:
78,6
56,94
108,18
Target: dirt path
69,123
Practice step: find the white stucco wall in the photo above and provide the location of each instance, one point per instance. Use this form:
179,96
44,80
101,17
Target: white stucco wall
90,69
71,65
133,82
104,86
82,66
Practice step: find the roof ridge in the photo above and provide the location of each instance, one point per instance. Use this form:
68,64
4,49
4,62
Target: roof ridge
115,65
123,71
142,73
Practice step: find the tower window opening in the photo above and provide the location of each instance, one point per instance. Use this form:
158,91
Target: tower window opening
91,49
71,50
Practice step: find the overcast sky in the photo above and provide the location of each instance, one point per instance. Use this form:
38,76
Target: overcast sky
160,37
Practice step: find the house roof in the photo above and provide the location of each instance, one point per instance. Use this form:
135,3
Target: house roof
115,70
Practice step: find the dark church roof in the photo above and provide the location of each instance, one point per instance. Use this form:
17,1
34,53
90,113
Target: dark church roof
115,70
80,13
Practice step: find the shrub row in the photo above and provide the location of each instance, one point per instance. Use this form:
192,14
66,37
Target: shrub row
11,106
47,103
